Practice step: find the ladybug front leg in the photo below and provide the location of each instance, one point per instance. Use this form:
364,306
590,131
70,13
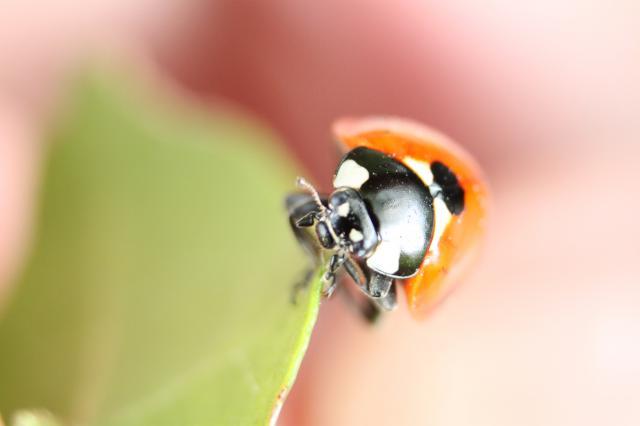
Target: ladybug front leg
381,289
329,278
378,285
389,301
355,272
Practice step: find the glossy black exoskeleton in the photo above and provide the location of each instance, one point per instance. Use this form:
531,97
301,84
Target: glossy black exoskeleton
377,224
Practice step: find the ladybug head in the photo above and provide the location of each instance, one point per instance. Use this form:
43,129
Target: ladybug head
351,222
344,221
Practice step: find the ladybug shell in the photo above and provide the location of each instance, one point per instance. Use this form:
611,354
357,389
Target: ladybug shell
418,147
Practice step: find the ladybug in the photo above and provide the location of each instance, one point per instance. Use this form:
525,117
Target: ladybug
408,208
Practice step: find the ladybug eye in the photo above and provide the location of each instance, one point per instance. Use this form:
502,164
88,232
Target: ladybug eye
324,235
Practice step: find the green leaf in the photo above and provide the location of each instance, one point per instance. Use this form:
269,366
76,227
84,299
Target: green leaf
158,288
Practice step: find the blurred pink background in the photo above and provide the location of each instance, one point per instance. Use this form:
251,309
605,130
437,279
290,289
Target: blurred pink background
546,94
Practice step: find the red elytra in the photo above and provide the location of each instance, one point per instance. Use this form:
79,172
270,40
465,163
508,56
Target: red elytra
441,269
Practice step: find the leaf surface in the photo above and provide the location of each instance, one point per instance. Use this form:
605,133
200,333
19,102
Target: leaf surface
157,289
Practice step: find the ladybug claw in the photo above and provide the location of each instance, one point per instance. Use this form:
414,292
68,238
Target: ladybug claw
328,292
329,285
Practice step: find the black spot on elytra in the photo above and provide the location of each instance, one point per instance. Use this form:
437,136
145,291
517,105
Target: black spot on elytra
452,192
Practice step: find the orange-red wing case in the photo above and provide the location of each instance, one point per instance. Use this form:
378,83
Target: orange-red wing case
402,139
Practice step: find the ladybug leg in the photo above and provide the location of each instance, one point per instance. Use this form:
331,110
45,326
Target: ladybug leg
369,311
389,301
355,272
306,221
330,282
329,285
301,285
379,289
302,209
378,285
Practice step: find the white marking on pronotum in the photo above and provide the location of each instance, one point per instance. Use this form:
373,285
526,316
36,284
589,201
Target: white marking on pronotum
422,169
385,258
343,209
441,219
350,174
355,235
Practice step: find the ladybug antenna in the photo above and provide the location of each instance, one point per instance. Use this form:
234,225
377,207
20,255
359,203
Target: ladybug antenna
302,183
